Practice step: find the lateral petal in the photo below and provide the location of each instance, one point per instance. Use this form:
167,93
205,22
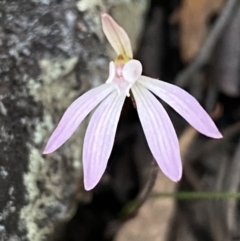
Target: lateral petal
184,104
74,115
159,132
116,36
112,72
99,138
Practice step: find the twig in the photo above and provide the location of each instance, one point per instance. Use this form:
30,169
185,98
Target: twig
211,144
192,177
134,205
232,183
208,46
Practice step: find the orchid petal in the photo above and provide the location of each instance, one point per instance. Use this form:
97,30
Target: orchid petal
159,132
184,104
116,36
112,72
132,70
99,138
74,115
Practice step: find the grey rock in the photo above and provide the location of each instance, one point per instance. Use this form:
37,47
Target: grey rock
51,51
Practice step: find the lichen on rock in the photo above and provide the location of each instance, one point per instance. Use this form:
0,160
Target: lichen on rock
50,53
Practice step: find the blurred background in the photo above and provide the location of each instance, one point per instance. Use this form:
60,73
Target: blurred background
52,51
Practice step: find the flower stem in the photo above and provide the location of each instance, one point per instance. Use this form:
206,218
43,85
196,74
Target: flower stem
197,195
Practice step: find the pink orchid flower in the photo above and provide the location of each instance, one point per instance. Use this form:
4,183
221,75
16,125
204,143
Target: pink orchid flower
125,79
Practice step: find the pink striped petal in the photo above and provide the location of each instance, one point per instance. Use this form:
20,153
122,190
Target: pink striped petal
99,138
116,36
184,104
159,132
74,115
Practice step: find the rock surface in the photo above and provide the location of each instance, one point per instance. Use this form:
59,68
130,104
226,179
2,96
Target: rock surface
51,51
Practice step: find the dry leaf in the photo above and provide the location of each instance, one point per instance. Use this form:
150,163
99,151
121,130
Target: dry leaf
193,17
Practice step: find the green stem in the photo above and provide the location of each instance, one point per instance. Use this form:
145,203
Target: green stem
197,195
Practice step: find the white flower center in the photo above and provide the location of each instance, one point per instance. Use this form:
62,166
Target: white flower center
123,76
